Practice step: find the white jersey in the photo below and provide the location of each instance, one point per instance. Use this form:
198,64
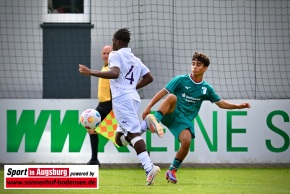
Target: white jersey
131,70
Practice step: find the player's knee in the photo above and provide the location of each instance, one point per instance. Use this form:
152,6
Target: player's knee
122,141
185,143
118,139
119,142
185,139
172,98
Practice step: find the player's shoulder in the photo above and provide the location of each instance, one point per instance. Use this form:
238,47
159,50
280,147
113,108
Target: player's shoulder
137,58
116,55
113,54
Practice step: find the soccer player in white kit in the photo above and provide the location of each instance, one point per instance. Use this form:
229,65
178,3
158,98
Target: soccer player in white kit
127,73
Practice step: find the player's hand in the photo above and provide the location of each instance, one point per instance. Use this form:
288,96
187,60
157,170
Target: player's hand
84,70
245,105
146,112
91,131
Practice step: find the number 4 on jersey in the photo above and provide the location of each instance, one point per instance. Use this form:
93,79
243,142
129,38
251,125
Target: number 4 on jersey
130,75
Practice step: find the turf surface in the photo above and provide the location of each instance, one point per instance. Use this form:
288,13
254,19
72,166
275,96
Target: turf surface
190,180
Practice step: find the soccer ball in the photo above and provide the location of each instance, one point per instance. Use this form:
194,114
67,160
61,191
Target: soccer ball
90,119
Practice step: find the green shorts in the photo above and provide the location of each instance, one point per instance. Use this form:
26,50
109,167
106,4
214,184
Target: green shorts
177,122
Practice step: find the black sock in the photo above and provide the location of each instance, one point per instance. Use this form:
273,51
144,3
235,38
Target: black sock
160,112
94,146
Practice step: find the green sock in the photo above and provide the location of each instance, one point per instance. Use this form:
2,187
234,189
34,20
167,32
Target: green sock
158,115
175,164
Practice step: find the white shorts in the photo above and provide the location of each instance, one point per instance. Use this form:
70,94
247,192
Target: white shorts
126,113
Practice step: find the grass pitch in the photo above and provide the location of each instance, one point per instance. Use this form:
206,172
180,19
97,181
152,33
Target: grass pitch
190,180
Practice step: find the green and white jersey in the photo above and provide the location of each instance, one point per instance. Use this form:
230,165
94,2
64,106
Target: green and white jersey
190,95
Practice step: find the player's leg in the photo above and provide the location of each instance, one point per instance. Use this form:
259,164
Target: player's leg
167,105
126,113
185,138
153,121
142,154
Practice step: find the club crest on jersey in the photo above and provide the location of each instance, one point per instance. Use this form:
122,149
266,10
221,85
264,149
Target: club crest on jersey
204,89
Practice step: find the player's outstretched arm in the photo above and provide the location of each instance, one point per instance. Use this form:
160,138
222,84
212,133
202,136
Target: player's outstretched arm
227,105
113,73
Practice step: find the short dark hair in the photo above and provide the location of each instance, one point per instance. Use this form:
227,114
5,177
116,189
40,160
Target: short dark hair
201,57
123,34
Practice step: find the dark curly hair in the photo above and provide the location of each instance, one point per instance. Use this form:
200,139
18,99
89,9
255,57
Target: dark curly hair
201,57
123,34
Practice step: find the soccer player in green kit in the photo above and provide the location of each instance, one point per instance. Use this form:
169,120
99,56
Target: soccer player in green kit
185,96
